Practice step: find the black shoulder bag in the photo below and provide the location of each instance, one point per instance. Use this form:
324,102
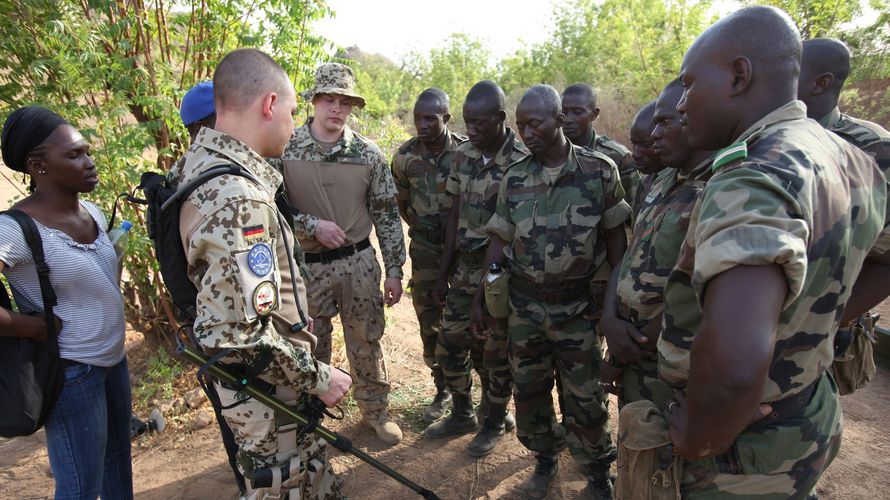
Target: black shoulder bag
31,373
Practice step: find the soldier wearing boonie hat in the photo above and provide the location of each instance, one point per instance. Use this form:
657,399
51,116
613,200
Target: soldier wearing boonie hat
341,185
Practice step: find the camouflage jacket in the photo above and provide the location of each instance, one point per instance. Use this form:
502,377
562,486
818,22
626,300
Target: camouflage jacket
235,249
553,229
865,135
379,194
816,214
658,233
477,185
420,177
630,176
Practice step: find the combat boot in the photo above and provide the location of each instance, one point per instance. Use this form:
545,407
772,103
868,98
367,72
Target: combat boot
599,483
441,402
387,430
461,421
491,432
482,411
538,486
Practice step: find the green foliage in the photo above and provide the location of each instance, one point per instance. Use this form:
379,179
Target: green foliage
117,70
870,46
817,18
158,380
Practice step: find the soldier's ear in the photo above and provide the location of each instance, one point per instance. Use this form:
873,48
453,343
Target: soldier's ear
595,114
502,116
446,118
268,103
822,83
741,75
560,119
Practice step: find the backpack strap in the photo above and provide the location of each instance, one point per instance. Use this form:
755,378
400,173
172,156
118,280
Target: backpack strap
47,293
184,191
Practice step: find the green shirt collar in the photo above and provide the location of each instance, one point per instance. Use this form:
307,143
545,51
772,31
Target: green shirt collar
794,110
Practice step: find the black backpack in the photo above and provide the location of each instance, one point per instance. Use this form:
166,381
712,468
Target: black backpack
31,373
164,202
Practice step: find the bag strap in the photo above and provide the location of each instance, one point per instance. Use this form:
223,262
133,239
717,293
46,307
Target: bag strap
32,238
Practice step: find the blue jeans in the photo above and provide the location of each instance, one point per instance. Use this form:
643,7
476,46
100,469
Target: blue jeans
88,434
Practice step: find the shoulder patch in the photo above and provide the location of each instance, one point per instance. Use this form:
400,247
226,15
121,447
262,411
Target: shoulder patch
729,154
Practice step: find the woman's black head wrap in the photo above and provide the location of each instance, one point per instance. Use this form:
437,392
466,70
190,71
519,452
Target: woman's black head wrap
25,129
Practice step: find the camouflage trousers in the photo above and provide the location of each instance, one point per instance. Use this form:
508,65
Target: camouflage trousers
538,347
776,461
425,259
457,351
267,442
351,287
640,381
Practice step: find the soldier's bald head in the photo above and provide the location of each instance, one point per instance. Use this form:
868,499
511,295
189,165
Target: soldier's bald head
546,95
243,76
488,94
644,119
582,90
434,98
824,67
766,36
739,70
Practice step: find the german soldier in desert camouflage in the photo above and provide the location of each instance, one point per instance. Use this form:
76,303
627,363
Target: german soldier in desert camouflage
249,290
342,186
420,168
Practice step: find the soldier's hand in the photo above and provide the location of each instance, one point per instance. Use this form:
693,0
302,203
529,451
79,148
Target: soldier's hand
440,292
392,291
340,384
623,338
329,234
480,322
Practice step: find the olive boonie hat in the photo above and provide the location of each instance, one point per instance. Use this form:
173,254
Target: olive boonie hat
334,78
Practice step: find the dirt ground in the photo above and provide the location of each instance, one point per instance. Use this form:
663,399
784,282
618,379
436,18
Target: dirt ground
184,463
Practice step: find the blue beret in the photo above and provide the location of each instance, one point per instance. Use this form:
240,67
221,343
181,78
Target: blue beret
197,103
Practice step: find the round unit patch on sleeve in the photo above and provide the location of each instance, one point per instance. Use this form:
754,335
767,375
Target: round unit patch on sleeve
265,298
260,260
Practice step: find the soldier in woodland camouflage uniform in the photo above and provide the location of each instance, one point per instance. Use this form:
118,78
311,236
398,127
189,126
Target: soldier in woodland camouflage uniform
579,106
249,289
559,216
643,154
632,323
341,185
774,246
420,169
825,65
464,341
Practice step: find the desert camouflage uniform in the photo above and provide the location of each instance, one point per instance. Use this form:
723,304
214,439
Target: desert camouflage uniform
660,227
351,185
420,177
553,230
865,135
223,220
791,194
457,350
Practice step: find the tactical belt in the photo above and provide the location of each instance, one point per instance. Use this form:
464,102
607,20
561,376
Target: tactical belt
787,408
427,235
337,253
561,294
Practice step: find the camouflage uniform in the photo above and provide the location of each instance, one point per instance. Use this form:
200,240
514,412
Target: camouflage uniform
351,185
249,304
554,244
456,349
658,233
630,176
865,135
791,194
420,177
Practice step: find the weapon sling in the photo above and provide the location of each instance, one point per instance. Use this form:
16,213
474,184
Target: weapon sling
336,440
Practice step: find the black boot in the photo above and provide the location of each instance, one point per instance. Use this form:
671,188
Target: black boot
441,403
538,486
461,421
482,409
599,483
491,432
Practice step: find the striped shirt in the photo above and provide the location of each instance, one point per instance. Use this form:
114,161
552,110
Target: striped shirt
84,277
